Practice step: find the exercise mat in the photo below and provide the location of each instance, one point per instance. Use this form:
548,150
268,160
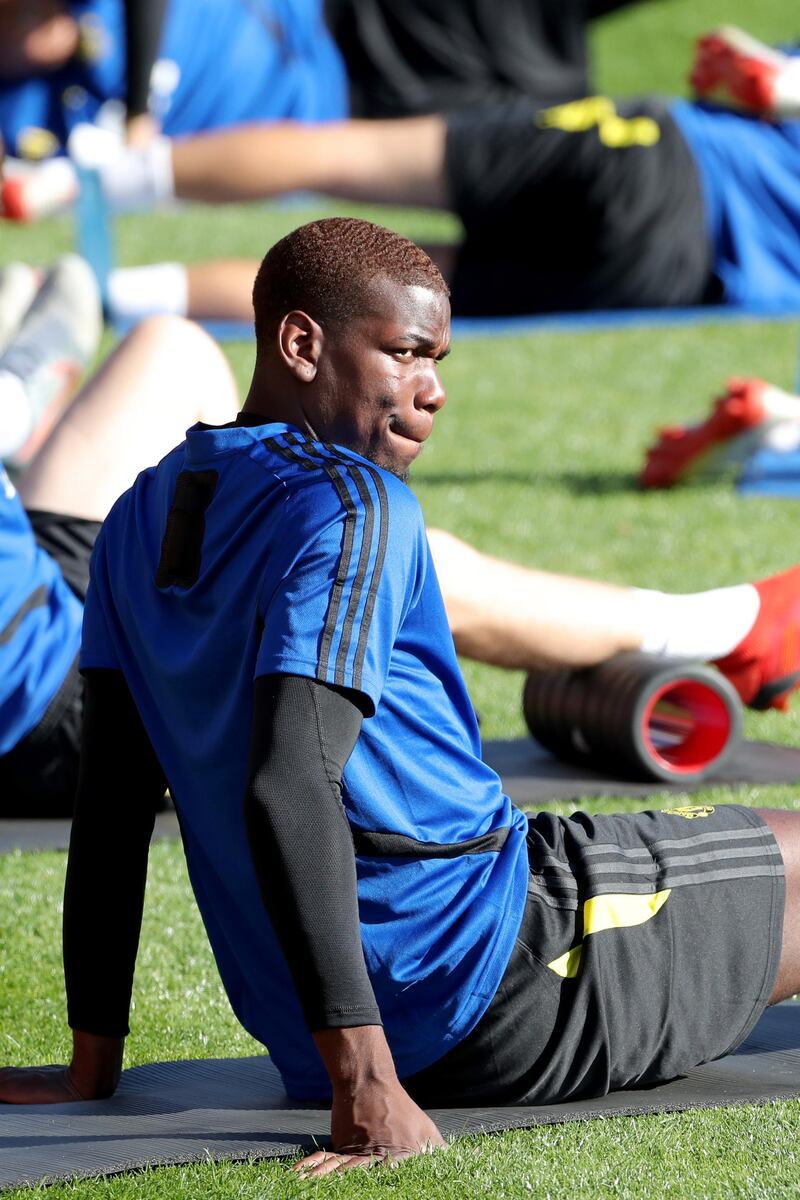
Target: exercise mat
181,1112
532,776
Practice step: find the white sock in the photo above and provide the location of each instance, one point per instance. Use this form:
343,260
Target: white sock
704,625
786,99
136,292
139,177
49,188
133,177
16,414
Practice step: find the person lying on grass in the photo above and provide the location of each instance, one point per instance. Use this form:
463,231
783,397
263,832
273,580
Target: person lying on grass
592,204
264,632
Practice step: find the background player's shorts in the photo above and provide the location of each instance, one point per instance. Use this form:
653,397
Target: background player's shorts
39,776
650,944
593,204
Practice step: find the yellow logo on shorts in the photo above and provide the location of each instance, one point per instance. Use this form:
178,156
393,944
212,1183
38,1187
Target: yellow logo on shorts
690,811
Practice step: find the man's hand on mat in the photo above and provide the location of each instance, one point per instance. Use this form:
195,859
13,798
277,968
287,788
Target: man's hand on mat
93,1074
37,1085
373,1118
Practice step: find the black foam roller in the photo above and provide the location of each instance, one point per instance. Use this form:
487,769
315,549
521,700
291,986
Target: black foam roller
646,716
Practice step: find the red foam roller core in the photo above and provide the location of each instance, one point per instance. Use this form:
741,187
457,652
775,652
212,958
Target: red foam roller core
685,725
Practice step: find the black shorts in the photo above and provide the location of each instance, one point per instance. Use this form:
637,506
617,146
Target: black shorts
558,219
38,777
650,943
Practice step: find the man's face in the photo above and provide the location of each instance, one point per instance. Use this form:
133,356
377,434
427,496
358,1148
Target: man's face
378,378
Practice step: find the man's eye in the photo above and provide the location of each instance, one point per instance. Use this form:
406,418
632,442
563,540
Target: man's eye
403,352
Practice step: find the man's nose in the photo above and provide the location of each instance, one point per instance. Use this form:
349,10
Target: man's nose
430,395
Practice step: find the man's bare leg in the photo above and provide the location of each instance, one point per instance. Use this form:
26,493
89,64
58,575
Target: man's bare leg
513,616
786,828
516,617
166,375
392,162
218,290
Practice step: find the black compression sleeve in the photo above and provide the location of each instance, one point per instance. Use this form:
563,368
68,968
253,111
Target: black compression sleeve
143,23
120,786
303,734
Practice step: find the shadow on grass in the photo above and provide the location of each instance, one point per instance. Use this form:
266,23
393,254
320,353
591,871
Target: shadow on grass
599,483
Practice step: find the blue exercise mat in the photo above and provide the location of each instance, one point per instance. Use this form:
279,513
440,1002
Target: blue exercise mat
771,473
573,322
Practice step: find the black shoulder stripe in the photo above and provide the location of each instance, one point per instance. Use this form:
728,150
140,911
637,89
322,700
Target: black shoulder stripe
37,599
181,549
332,461
348,540
357,472
377,572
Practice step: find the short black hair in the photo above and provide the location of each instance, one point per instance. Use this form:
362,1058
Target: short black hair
325,268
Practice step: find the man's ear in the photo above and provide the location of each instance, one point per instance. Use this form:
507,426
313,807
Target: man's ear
300,342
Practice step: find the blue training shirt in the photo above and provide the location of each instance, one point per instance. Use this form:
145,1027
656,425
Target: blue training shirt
750,176
220,62
40,623
314,562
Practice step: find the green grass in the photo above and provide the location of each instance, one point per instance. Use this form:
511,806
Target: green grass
534,458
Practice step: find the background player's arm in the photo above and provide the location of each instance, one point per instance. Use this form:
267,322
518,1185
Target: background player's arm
119,789
303,733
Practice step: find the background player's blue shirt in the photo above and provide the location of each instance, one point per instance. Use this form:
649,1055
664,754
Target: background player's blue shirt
315,562
750,175
220,62
40,623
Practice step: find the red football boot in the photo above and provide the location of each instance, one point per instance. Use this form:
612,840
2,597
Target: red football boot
737,424
765,666
731,67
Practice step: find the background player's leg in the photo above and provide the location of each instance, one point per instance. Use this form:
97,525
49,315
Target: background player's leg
786,828
512,616
166,375
221,289
395,162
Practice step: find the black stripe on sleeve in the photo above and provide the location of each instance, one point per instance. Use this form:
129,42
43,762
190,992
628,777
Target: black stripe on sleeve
37,599
345,557
357,472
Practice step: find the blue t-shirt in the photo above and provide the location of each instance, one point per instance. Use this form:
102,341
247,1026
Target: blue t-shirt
315,562
40,623
750,176
220,62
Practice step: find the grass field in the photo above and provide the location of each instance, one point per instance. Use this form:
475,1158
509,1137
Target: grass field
534,458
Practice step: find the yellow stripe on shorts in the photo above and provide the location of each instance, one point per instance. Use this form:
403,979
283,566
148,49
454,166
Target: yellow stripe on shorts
618,910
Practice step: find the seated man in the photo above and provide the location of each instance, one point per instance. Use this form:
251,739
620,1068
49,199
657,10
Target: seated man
499,613
587,205
264,631
130,414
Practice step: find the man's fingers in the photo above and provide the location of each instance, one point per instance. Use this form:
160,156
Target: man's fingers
328,1162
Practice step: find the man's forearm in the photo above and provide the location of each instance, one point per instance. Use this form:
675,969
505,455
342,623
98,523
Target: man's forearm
120,784
302,846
